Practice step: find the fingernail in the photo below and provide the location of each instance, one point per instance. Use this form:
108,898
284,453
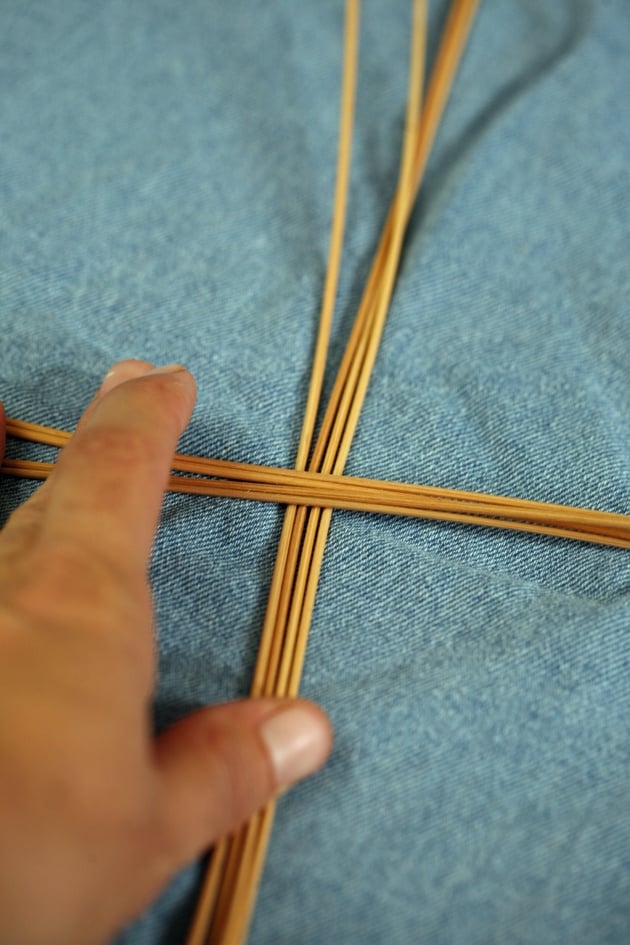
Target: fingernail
298,742
123,371
168,369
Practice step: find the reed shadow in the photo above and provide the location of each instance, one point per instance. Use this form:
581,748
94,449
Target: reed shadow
574,26
441,176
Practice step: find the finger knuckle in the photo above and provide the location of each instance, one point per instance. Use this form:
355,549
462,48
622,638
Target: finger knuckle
119,445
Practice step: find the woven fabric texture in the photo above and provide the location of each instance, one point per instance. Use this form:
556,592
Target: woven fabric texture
166,179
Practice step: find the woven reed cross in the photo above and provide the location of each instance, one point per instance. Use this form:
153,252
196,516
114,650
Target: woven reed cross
317,485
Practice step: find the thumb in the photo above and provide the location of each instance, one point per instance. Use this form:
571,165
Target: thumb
221,764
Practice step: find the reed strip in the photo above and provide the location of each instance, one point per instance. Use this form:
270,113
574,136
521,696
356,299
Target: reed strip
316,488
382,498
285,626
218,931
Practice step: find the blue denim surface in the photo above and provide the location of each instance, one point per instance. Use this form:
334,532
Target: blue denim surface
166,174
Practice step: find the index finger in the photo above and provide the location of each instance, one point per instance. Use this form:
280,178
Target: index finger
106,491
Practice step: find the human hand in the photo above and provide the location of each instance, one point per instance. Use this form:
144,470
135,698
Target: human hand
96,813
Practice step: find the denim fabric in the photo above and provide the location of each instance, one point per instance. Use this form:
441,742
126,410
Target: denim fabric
166,176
